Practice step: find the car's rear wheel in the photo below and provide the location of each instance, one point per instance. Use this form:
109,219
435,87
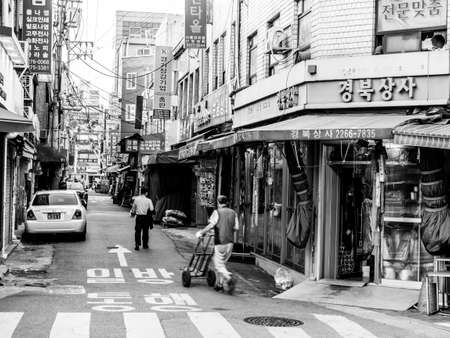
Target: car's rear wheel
83,234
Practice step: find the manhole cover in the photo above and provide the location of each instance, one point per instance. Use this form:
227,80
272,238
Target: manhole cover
273,321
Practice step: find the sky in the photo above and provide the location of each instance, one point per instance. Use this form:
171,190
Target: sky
98,26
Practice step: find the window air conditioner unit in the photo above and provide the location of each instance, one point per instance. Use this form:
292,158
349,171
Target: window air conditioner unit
277,41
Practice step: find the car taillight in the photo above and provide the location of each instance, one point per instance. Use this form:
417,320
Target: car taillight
77,214
31,216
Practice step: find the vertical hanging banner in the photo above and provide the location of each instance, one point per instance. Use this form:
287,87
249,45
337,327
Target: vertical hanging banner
162,82
195,24
138,118
37,31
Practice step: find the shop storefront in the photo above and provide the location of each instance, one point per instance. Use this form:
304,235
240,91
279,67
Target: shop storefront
362,215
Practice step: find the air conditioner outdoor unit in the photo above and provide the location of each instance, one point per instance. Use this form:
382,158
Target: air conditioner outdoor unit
277,41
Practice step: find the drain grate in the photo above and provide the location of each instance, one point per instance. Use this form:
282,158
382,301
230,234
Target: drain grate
273,321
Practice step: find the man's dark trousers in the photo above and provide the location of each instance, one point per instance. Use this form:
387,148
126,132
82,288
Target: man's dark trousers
142,226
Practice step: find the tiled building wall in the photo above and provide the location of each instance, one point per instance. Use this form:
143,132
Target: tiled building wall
254,18
342,28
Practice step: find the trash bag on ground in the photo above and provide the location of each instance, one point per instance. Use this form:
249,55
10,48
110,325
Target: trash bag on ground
176,213
283,279
172,221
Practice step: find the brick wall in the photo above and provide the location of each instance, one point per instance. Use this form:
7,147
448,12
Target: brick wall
342,27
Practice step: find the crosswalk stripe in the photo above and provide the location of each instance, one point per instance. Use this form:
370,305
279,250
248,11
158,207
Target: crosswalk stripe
345,327
446,324
288,332
212,325
143,325
71,325
8,323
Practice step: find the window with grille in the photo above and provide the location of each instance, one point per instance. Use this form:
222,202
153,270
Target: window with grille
271,60
215,64
143,52
206,73
222,71
251,43
233,50
304,29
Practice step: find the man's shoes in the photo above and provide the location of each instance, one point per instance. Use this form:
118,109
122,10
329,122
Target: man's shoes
218,287
136,248
229,286
145,247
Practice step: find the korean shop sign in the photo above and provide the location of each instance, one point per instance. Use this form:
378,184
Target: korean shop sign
37,30
400,15
214,110
378,92
195,24
162,82
384,88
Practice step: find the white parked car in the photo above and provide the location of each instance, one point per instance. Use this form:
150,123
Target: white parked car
56,211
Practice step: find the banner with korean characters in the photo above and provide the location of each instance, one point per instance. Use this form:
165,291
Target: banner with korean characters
37,31
162,82
195,24
401,15
378,92
218,111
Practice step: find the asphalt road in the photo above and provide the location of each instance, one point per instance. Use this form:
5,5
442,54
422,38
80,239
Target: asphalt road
140,295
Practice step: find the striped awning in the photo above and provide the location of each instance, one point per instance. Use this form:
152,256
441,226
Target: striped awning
430,135
218,143
328,127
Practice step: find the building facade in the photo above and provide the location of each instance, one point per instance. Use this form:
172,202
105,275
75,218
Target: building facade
18,124
329,153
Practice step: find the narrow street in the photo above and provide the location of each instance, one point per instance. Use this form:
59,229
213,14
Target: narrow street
96,294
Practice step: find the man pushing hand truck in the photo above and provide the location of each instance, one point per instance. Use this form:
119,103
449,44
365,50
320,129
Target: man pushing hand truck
225,223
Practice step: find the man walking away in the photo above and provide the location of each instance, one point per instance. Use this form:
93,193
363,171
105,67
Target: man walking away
142,208
225,223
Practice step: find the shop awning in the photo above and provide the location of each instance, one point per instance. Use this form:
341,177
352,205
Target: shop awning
429,135
123,169
10,122
165,157
113,169
218,143
328,127
47,154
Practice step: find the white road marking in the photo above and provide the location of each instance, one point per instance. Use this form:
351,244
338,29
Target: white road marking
445,324
212,325
143,325
71,325
288,332
345,327
8,323
120,251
